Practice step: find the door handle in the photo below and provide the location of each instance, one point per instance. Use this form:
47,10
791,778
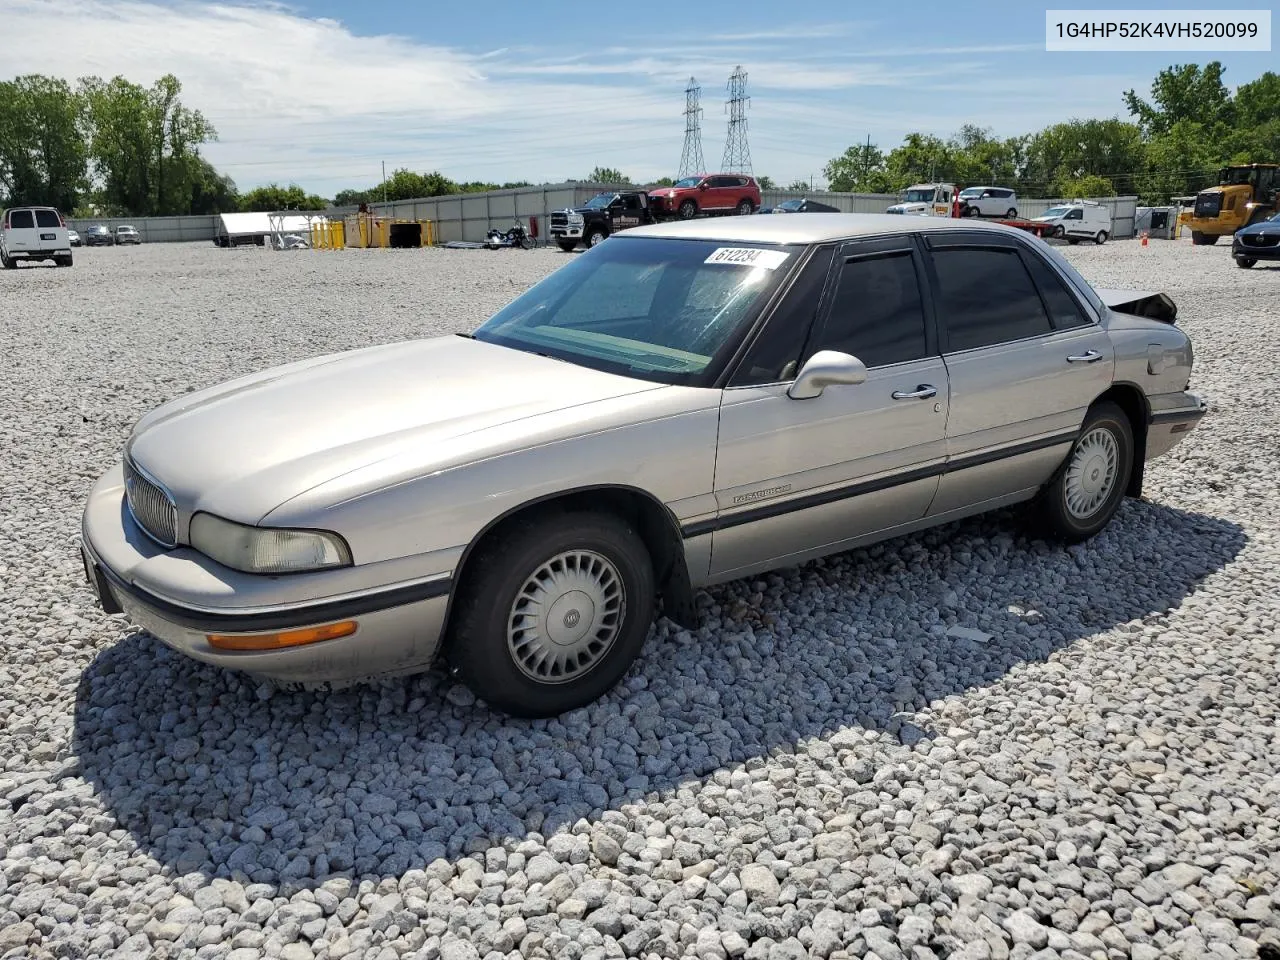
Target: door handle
922,392
1089,356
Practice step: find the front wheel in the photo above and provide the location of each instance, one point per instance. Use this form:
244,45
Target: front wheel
1059,232
551,615
596,237
568,246
1244,263
1100,237
688,209
1086,492
1011,213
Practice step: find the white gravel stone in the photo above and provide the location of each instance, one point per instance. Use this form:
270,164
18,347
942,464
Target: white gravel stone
961,744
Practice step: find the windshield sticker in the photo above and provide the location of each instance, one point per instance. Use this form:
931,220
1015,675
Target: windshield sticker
748,257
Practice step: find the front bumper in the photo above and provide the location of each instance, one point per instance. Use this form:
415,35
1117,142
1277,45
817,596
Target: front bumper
1173,416
181,598
1243,251
572,232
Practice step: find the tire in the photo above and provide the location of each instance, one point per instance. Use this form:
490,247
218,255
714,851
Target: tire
526,243
62,261
7,263
1011,213
478,648
596,237
1059,232
1203,239
746,208
1100,237
1244,263
1068,508
568,246
972,212
688,210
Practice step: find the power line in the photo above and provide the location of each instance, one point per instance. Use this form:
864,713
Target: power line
737,153
691,161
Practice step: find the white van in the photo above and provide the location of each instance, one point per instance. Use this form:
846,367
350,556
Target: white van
1079,220
34,233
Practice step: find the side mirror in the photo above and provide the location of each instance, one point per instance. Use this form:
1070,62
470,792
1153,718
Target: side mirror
824,369
702,186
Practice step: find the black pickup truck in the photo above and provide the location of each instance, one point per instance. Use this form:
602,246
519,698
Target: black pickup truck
602,215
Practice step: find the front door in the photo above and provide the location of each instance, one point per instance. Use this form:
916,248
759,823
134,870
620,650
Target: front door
797,478
1024,359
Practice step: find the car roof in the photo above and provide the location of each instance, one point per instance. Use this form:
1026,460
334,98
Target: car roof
813,228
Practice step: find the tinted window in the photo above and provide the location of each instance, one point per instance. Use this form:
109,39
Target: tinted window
47,218
876,313
773,356
986,297
21,220
1064,310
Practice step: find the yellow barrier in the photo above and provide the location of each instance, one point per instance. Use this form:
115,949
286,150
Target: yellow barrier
363,230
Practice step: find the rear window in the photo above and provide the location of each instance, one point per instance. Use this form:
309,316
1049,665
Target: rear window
21,220
47,218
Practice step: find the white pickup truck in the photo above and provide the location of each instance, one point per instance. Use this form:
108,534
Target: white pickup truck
34,233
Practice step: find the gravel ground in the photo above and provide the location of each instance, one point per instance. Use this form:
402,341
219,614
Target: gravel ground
822,770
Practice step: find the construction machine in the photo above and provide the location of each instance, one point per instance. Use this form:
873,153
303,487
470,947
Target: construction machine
1245,194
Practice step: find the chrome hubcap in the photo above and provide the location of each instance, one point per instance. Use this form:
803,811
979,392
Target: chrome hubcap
566,617
1092,473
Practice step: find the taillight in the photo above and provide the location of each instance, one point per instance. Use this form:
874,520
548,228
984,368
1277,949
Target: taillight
61,220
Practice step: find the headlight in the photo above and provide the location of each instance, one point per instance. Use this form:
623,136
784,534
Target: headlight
264,549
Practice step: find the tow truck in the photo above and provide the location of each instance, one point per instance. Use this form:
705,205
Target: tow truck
601,216
943,200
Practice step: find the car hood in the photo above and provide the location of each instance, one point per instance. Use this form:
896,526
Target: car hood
1270,227
242,448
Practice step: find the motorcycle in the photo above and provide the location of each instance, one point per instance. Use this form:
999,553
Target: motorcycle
515,236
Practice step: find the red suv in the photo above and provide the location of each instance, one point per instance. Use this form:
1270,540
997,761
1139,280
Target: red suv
716,193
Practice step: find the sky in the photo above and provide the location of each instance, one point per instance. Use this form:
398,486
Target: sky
322,93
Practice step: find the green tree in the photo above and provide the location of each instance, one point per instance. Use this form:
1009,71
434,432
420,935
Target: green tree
663,182
43,159
607,175
1184,92
766,183
144,144
273,197
860,169
1087,186
212,192
801,185
350,198
1065,152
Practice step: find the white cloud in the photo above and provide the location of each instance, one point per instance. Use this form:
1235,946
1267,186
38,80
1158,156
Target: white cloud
296,98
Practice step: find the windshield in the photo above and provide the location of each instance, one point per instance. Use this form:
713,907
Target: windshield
600,201
688,182
1235,176
920,196
791,204
1057,212
652,308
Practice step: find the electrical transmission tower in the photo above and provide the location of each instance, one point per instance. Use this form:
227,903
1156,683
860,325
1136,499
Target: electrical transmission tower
691,161
737,154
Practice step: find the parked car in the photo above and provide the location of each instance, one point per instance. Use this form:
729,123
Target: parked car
719,193
1080,220
988,202
127,234
801,206
925,200
1258,241
98,236
678,407
74,238
33,233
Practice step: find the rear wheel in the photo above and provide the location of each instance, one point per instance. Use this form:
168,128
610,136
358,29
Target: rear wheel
1011,213
1244,263
1100,237
551,615
1086,491
7,262
688,210
745,208
62,261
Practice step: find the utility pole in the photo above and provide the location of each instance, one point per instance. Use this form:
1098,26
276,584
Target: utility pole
384,184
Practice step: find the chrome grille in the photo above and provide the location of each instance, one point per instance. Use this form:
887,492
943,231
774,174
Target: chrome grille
1260,239
151,506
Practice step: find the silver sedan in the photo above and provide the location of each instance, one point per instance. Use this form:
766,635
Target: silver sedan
683,405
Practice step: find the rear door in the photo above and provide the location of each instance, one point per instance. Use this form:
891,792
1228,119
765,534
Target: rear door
51,234
1025,359
21,232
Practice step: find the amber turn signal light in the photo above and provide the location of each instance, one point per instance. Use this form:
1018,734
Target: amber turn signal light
277,641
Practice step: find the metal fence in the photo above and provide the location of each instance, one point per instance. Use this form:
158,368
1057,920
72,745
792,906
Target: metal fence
470,216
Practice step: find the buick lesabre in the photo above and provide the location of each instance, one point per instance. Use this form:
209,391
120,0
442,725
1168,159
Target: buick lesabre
684,404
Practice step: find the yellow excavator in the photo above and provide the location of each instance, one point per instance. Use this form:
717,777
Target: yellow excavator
1244,195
